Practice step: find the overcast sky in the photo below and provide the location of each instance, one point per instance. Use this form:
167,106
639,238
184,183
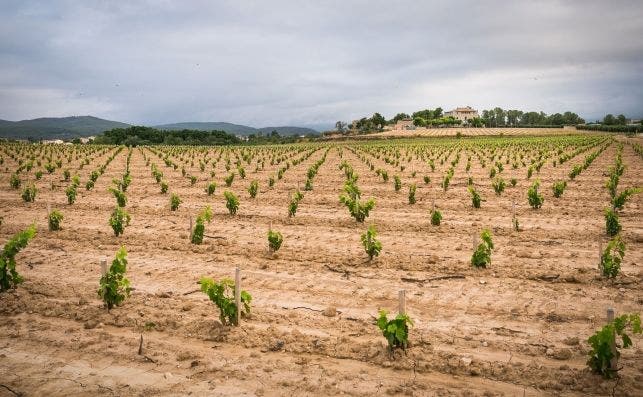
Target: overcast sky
268,63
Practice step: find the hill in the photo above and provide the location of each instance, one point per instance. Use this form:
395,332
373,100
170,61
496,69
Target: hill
236,129
57,128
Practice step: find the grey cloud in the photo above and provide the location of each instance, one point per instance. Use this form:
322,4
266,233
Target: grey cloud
311,62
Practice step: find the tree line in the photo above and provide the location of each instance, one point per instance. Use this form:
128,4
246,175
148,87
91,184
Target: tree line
139,135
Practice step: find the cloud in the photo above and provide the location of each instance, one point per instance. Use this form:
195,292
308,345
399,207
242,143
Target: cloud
310,62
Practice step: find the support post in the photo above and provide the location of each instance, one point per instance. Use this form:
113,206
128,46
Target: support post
190,230
474,240
237,293
103,267
48,209
402,303
600,254
614,361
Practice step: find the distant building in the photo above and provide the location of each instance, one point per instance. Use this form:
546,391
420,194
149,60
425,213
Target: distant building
404,124
464,114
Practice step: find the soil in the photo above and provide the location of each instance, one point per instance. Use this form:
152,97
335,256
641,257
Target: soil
518,327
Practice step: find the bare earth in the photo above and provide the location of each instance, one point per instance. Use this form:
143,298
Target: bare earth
517,328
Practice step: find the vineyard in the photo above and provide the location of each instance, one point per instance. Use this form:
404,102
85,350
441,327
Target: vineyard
508,250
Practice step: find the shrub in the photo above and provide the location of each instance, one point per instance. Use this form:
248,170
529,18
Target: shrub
199,228
475,197
271,181
253,189
66,175
482,255
9,276
371,245
29,193
412,189
212,187
535,200
54,219
71,194
612,257
559,188
275,239
232,202
601,355
397,183
222,294
427,180
228,179
499,185
114,286
164,187
436,217
119,220
612,225
14,181
395,331
192,180
513,181
620,199
89,185
38,175
121,198
175,201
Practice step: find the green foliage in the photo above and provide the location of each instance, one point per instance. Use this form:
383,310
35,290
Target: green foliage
601,355
436,217
192,180
612,225
612,257
271,181
119,220
535,199
516,224
175,201
71,193
412,189
482,255
199,228
275,239
397,183
427,180
499,185
121,198
559,188
222,294
38,175
114,286
9,276
29,193
66,175
54,219
371,245
513,181
212,187
232,202
620,199
229,179
575,171
14,181
253,189
475,197
396,331
164,187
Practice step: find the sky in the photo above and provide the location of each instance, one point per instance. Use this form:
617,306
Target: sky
311,63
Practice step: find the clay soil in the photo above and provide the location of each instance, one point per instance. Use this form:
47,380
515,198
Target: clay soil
517,328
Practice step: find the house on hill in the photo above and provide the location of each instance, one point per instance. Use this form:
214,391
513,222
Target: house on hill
464,114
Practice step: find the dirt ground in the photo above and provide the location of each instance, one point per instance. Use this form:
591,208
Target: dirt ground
517,328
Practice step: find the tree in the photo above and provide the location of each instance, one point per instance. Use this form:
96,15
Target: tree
378,121
621,120
513,117
340,126
609,119
398,117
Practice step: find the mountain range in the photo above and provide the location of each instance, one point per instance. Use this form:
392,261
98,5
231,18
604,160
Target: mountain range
84,126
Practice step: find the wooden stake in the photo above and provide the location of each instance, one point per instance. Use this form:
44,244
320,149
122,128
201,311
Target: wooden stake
474,240
237,293
402,303
103,267
190,230
433,210
600,253
613,361
513,210
48,209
